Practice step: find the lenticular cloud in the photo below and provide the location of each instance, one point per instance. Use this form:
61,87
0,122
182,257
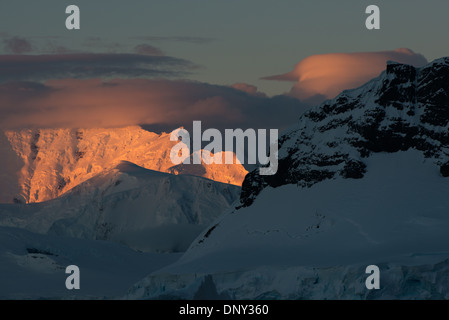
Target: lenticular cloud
326,75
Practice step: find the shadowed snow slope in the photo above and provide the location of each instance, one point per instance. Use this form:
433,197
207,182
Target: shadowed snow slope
32,266
292,237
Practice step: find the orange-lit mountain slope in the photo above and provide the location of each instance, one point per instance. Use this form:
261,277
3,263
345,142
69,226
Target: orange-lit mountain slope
41,164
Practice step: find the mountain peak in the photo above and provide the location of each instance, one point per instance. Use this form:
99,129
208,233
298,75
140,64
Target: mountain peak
404,108
46,163
129,167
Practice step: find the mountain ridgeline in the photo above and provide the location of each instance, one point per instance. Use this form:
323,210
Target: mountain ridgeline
404,108
42,164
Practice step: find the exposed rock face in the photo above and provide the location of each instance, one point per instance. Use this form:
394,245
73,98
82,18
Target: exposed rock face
404,108
53,161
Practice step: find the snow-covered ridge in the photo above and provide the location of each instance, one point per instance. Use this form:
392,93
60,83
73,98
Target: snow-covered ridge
404,108
42,164
144,209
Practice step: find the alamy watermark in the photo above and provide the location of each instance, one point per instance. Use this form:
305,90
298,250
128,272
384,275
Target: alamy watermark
373,280
72,281
73,20
256,148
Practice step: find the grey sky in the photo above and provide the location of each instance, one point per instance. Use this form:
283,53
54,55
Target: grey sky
234,40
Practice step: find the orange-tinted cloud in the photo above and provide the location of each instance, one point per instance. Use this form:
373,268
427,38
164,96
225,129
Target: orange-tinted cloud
74,103
326,75
248,88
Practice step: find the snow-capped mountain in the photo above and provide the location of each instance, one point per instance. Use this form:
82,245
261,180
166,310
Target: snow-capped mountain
146,210
405,108
362,180
42,164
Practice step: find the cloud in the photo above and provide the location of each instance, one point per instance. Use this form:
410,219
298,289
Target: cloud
85,90
166,104
57,49
248,88
17,45
89,65
326,75
40,44
185,39
148,50
103,44
59,45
